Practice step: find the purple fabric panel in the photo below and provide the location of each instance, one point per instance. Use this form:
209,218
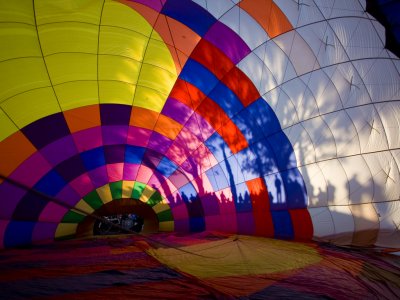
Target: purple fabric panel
159,143
10,196
205,128
31,170
88,139
59,150
130,171
245,223
44,232
177,110
82,185
68,196
154,4
210,204
193,126
138,136
181,225
52,212
114,135
99,176
232,45
3,227
156,180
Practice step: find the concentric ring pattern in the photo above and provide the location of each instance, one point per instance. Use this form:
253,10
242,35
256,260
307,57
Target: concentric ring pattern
272,118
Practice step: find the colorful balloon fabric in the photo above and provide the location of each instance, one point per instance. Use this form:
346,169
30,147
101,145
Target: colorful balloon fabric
257,117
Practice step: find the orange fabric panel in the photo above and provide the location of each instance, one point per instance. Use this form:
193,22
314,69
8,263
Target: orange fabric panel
177,61
212,58
187,94
242,86
167,127
185,39
14,150
143,118
261,207
302,224
233,137
83,117
268,15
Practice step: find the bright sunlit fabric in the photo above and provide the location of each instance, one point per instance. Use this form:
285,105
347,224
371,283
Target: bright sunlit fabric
258,117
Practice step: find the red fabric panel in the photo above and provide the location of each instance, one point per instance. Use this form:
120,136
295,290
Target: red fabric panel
302,224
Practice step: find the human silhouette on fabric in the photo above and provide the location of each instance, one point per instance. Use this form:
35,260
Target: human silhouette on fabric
278,186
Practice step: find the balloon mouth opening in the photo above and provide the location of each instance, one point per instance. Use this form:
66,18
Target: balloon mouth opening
122,216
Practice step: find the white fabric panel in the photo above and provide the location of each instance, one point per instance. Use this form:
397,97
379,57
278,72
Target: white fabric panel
339,8
302,98
344,224
370,130
316,185
322,222
308,13
303,147
348,84
248,29
389,113
322,138
358,37
389,217
380,30
216,8
298,51
282,106
324,43
336,181
277,61
385,176
359,178
381,79
289,9
344,132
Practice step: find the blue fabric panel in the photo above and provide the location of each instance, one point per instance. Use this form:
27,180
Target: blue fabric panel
283,150
220,178
18,234
232,170
71,168
189,13
114,153
241,198
211,178
217,145
50,184
296,196
166,167
247,123
226,99
283,228
197,224
30,207
264,116
94,158
198,75
134,155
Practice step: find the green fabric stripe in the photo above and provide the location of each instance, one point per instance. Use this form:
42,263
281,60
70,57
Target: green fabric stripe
93,199
73,217
154,199
138,190
116,189
165,215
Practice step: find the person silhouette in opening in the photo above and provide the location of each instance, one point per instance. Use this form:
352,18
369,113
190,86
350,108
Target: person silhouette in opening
278,185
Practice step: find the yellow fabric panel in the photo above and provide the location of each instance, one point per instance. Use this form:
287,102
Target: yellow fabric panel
156,78
120,15
127,187
68,37
116,92
105,193
6,125
48,11
166,226
77,94
18,40
118,68
65,229
159,207
124,42
20,75
149,98
238,255
30,106
17,11
158,54
66,67
146,194
82,205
